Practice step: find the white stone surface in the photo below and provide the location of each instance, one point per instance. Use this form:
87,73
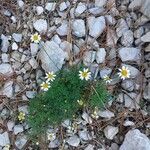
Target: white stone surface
6,69
110,132
106,114
51,56
78,27
73,141
50,6
8,89
4,139
39,10
100,55
130,54
96,26
40,25
135,140
81,7
146,37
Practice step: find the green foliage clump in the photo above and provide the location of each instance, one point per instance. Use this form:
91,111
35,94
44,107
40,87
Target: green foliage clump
61,100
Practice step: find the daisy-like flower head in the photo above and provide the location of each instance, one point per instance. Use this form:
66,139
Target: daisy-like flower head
35,38
21,116
50,76
107,79
85,74
45,86
6,147
51,136
124,72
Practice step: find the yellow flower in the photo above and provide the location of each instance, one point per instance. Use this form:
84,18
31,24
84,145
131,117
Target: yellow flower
45,86
95,113
21,116
50,76
51,136
107,79
80,102
6,147
124,72
85,74
35,38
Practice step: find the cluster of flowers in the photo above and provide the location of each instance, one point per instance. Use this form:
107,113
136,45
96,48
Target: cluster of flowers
85,74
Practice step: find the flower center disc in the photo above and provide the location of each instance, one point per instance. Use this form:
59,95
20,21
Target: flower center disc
124,73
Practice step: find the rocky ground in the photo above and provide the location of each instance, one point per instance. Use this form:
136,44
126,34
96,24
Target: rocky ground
103,34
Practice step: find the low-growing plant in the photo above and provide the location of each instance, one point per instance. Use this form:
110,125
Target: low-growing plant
66,96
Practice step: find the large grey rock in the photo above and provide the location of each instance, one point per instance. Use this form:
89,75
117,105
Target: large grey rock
132,100
8,89
40,25
63,29
128,85
100,55
142,5
145,9
130,54
78,27
110,132
100,3
122,27
6,69
39,10
84,135
127,38
146,37
51,56
73,141
89,57
146,93
34,48
5,43
105,71
54,144
106,114
4,139
17,37
50,6
81,7
135,140
21,141
96,26
18,129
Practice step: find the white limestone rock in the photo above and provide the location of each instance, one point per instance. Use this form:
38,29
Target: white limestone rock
96,26
78,27
5,43
40,25
130,54
135,140
6,69
110,132
146,37
63,29
74,141
100,3
50,6
100,55
4,139
39,10
51,56
81,7
106,114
